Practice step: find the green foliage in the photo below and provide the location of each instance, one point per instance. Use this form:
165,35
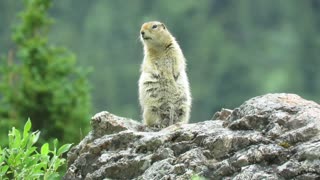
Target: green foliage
21,160
44,82
197,177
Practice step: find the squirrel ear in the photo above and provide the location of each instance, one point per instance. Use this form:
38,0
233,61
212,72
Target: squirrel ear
164,27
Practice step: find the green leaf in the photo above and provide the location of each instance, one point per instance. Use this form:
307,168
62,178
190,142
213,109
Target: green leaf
27,128
35,137
55,145
18,157
11,137
45,149
26,134
24,141
3,170
31,161
63,149
53,160
52,176
41,166
57,163
16,139
30,151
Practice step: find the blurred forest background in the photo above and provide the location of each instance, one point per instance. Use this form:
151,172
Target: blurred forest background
235,49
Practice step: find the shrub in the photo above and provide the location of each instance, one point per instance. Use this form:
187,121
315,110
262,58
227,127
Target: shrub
22,160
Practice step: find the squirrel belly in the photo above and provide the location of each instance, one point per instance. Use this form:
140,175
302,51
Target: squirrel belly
164,92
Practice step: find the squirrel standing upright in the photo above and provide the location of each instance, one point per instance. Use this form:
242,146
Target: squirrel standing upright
164,92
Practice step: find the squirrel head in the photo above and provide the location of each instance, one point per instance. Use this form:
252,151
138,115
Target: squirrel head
154,34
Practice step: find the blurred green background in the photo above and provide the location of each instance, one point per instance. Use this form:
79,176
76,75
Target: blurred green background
235,49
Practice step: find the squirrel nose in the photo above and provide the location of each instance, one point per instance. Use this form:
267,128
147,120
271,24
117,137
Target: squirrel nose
142,33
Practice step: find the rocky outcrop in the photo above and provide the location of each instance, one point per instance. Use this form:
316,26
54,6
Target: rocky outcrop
275,136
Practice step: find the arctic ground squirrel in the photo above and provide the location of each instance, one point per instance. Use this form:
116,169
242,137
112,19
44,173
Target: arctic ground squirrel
164,92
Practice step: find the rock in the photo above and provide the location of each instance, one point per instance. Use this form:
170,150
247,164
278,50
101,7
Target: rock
222,115
275,136
105,123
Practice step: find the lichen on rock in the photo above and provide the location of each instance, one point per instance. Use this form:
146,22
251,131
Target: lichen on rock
274,136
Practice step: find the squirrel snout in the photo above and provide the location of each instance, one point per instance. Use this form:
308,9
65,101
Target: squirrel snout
142,33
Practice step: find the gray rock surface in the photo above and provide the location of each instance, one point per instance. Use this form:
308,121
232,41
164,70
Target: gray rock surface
275,136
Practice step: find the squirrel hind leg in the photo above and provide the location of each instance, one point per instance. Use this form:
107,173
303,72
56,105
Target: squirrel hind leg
150,117
183,115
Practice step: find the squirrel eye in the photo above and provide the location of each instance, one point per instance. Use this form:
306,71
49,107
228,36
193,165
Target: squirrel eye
154,26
